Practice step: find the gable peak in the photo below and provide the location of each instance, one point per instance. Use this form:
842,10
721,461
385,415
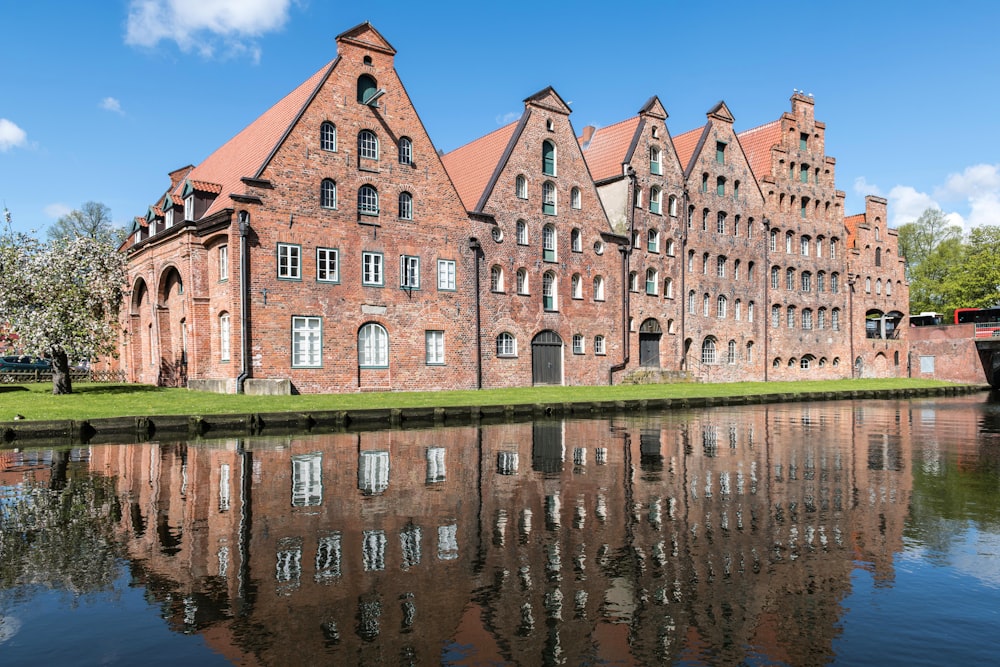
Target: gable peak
721,112
365,36
654,108
549,99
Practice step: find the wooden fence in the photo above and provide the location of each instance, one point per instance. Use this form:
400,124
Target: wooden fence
25,377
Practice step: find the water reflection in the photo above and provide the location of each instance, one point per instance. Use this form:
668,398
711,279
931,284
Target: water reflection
721,536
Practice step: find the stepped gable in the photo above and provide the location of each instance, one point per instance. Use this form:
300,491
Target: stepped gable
609,149
757,143
471,166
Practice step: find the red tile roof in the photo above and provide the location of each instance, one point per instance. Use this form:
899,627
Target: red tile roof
471,166
852,222
246,153
204,186
608,147
757,143
685,144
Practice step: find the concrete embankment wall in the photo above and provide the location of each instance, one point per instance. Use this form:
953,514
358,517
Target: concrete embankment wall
190,427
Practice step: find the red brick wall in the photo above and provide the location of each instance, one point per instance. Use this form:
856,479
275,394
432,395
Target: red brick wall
953,347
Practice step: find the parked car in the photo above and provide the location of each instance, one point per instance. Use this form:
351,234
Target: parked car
13,367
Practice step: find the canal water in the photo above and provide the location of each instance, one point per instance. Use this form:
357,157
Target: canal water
844,532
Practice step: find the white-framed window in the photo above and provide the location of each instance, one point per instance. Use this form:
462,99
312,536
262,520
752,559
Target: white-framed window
574,198
788,242
652,281
738,310
522,232
708,355
671,248
307,480
496,278
328,193
550,300
654,160
225,336
578,345
548,158
367,145
549,198
576,240
576,284
655,200
373,346
806,280
691,303
409,272
446,274
652,241
549,243
435,347
372,269
598,288
821,318
599,348
750,312
804,246
327,265
405,206
706,305
731,352
720,223
289,261
521,187
307,342
223,263
835,319
791,317
772,243
807,318
672,206
668,288
506,345
522,281
367,200
750,352
168,218
405,150
633,281
775,277
775,316
189,207
328,136
720,266
721,306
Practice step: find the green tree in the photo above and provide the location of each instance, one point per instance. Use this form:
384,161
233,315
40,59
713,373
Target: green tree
61,298
975,281
917,240
932,280
92,220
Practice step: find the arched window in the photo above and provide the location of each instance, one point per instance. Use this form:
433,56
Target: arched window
522,232
720,223
575,240
405,150
521,187
821,318
328,136
878,256
708,351
506,345
775,277
598,288
750,312
367,145
672,206
888,288
367,200
691,302
804,246
736,269
868,285
706,305
548,158
496,278
653,241
366,88
652,281
788,243
655,199
549,296
807,318
775,316
878,286
574,198
738,310
670,247
654,160
549,243
599,345
328,193
633,281
576,285
405,206
835,319
720,266
834,282
720,186
773,241
373,346
878,234
789,278
750,352
791,317
821,282
806,280
668,288
522,281
549,198
721,306
731,352
225,336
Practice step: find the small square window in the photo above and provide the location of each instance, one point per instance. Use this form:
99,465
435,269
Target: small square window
446,274
371,269
289,261
327,265
409,272
435,347
578,345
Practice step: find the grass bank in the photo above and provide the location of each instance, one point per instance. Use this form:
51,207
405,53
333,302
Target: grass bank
35,402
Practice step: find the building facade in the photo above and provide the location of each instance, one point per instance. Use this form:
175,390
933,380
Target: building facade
329,247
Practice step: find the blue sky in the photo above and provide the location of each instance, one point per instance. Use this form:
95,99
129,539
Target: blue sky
99,101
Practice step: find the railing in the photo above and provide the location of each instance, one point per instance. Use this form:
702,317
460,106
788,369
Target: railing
987,329
25,377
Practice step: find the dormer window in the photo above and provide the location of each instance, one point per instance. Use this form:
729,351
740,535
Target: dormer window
168,217
189,207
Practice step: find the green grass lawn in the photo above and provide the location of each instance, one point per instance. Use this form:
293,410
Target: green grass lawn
92,401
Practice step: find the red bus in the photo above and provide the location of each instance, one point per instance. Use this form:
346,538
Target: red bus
987,320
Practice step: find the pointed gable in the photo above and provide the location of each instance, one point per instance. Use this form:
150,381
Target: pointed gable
654,108
365,36
548,99
471,166
721,112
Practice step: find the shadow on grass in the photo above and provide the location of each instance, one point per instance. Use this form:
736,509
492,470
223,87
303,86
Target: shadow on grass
12,389
116,389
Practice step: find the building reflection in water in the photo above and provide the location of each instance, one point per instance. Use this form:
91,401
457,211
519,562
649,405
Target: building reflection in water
719,536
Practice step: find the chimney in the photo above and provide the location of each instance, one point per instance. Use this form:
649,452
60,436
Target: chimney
588,134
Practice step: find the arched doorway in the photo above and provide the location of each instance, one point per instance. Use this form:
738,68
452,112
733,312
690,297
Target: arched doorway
649,343
546,358
140,344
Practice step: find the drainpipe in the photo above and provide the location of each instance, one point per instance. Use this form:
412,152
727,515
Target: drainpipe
850,325
626,252
477,250
685,224
767,292
244,221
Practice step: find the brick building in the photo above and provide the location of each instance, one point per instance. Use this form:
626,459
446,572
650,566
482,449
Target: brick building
329,247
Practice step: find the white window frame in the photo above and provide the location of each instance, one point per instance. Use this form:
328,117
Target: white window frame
373,346
578,344
409,272
225,336
367,145
522,232
372,269
521,187
307,342
223,263
405,150
434,347
289,261
506,345
599,348
446,275
327,265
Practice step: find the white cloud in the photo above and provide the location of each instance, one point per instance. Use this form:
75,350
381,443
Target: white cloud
57,210
11,136
508,117
863,188
979,187
205,26
112,104
906,204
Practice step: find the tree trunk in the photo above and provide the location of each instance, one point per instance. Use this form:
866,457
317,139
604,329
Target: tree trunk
61,383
